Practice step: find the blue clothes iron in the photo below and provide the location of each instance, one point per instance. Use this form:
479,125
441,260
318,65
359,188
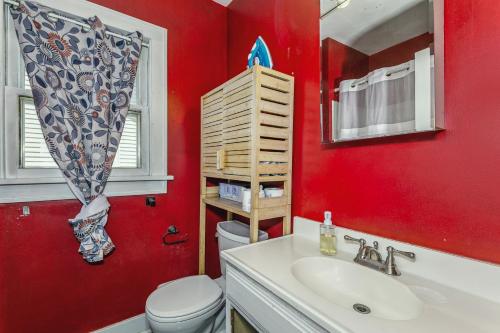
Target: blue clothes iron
260,54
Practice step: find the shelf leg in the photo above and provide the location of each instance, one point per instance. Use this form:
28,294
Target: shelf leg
201,263
287,222
254,226
203,216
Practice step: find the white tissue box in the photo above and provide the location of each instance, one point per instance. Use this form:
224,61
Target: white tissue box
231,192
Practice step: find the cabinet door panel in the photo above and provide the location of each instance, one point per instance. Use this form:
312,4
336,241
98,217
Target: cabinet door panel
212,112
264,310
239,113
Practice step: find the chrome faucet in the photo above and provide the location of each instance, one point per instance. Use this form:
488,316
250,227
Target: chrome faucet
369,256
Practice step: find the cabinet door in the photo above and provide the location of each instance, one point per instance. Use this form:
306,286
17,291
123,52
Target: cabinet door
238,113
264,310
212,106
240,324
275,124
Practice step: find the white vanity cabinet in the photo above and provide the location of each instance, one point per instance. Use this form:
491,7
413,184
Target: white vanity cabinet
261,308
266,285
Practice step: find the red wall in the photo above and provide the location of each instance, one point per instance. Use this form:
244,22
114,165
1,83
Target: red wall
401,52
439,191
338,62
45,286
341,62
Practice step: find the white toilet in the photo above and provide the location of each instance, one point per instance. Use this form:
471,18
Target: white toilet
195,304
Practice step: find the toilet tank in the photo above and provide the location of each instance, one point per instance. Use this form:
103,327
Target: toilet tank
232,234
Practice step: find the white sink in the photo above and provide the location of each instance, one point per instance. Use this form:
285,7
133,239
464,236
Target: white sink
347,284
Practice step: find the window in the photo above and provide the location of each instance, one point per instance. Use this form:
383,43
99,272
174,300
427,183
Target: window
33,152
28,172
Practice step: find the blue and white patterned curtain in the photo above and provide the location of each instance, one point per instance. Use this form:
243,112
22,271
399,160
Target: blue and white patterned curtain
82,81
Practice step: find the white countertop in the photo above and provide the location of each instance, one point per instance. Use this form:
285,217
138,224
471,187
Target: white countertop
446,308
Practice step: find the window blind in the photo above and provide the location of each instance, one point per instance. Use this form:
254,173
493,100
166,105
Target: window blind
34,152
128,155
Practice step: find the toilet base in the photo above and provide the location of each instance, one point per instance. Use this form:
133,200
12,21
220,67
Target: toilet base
220,320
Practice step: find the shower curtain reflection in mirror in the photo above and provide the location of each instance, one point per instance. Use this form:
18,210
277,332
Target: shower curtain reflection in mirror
382,102
377,69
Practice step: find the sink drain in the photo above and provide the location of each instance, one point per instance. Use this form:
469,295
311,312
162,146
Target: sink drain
361,308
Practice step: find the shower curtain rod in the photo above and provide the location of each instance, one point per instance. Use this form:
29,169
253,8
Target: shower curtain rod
83,25
355,83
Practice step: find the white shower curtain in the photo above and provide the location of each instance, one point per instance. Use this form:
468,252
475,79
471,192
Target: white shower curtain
381,103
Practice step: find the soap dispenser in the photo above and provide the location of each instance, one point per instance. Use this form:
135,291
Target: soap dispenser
327,238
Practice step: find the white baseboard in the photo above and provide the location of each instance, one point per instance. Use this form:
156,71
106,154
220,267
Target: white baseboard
137,324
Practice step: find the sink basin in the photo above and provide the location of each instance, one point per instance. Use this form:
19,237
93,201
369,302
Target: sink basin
357,288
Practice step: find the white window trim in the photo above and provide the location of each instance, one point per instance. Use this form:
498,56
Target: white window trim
16,187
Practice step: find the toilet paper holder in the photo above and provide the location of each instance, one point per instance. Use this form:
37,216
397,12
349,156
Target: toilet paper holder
170,233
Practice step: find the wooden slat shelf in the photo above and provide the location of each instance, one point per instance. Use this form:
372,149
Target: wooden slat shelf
230,206
269,179
247,135
269,208
227,177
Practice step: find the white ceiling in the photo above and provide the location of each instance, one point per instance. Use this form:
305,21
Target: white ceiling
371,26
224,2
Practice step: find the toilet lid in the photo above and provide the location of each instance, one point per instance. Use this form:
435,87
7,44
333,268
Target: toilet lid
183,297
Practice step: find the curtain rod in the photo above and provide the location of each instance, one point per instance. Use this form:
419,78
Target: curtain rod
355,83
83,25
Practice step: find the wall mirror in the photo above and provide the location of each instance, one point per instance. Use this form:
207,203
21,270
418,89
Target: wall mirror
381,68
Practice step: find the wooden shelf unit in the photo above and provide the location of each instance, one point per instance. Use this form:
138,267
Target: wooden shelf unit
246,136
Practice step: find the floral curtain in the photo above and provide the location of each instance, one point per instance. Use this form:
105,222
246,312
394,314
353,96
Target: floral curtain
82,81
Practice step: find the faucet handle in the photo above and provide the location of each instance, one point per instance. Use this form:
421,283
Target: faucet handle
391,251
360,241
390,265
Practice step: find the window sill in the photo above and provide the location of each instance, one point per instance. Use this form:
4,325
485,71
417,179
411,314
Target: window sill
60,180
47,189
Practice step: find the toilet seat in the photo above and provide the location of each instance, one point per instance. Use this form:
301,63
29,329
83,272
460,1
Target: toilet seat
184,299
165,320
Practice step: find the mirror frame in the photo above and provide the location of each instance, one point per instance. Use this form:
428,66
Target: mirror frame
326,121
